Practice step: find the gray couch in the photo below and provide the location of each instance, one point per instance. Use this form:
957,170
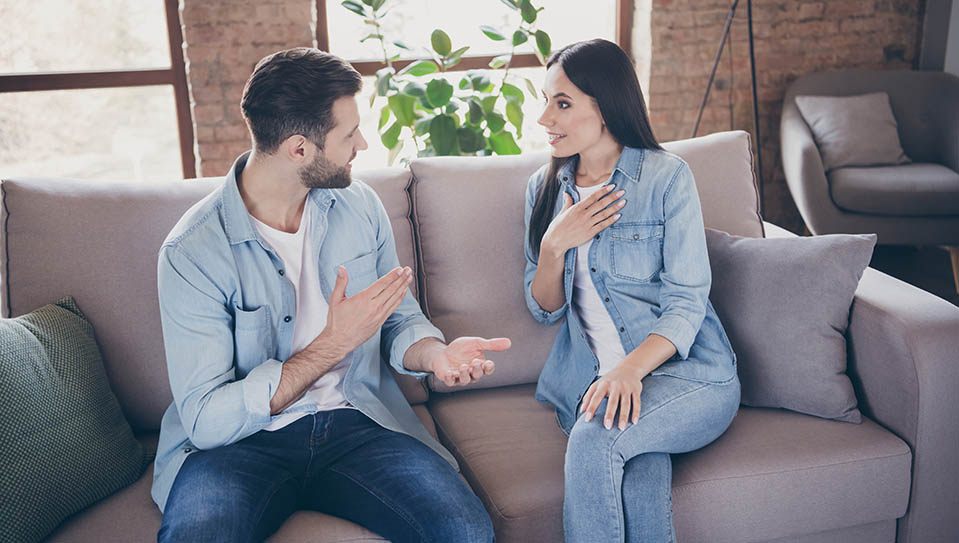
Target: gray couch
774,475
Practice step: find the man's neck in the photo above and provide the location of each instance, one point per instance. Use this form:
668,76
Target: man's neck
273,198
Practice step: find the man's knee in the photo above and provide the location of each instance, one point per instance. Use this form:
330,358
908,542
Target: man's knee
463,520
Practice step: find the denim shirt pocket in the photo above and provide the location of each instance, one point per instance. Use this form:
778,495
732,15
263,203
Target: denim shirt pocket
636,250
361,271
253,338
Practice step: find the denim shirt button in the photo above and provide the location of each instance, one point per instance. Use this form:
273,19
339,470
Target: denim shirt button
569,270
287,318
597,236
281,272
621,329
188,450
606,299
635,236
592,270
596,367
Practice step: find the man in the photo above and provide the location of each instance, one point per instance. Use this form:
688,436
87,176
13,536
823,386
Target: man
277,293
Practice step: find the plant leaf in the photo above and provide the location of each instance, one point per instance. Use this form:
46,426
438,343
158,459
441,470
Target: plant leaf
476,111
514,112
513,93
500,61
543,43
402,106
464,83
519,38
355,7
451,108
495,122
377,4
415,88
443,134
371,36
383,77
394,152
527,10
504,144
441,42
391,136
531,88
401,45
481,82
384,117
422,126
421,68
470,139
439,92
510,3
489,103
492,33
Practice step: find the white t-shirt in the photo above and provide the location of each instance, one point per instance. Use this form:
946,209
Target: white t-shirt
296,252
600,331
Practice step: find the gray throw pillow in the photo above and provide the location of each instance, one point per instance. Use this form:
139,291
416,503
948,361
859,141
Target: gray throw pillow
853,130
784,303
64,443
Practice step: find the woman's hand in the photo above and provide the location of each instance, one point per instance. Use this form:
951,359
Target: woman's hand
576,224
623,385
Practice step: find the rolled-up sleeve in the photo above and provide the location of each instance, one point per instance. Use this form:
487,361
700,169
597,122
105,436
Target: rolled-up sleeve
686,276
407,324
215,407
541,315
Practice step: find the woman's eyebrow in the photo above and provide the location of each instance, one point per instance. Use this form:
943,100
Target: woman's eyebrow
557,95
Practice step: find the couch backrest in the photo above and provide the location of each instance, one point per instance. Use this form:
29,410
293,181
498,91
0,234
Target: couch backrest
468,215
98,242
925,105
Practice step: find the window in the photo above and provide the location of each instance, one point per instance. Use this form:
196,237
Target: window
94,90
338,31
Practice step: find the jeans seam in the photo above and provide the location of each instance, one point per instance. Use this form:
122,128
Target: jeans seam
385,501
262,508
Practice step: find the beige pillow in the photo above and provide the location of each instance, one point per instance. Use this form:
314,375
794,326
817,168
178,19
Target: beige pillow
853,130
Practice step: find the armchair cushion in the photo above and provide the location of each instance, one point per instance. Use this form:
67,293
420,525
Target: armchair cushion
853,130
911,189
785,305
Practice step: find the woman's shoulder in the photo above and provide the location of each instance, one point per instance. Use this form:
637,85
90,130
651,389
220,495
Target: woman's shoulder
663,163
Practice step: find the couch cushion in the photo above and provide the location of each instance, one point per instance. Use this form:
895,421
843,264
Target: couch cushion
98,242
911,189
130,515
773,473
64,443
468,213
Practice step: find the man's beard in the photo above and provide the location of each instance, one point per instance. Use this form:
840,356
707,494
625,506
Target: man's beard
323,174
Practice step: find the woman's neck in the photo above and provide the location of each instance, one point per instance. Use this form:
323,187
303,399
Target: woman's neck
597,163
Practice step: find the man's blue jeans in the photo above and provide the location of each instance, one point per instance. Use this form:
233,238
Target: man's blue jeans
338,462
619,482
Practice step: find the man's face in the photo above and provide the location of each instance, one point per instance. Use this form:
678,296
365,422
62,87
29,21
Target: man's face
331,166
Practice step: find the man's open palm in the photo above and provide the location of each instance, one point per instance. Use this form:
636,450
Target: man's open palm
464,359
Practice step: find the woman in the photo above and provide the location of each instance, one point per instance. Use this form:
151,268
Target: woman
615,244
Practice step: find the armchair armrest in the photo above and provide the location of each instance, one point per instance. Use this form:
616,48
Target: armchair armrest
804,171
903,346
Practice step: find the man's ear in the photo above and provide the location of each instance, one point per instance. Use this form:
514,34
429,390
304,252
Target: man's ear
297,149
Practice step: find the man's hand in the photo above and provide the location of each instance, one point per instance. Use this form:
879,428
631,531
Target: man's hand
351,321
464,359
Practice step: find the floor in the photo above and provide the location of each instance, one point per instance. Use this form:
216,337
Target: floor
928,268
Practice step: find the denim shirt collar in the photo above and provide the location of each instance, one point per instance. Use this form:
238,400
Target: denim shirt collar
236,218
630,163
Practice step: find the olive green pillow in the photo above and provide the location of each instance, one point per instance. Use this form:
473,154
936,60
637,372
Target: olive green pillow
64,443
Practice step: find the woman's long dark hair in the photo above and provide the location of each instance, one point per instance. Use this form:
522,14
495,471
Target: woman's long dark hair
603,71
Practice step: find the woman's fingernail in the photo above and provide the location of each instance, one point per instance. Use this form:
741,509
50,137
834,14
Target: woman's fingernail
617,216
608,425
620,193
610,187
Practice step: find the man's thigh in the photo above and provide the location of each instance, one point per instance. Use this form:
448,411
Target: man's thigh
401,489
240,492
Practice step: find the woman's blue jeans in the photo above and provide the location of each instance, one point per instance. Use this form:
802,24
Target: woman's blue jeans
339,462
619,482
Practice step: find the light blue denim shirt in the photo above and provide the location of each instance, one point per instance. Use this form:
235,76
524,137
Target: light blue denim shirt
228,313
652,273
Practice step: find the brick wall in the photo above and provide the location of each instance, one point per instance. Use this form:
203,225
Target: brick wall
223,40
791,38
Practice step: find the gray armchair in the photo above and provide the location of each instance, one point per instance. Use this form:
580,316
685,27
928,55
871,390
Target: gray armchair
911,204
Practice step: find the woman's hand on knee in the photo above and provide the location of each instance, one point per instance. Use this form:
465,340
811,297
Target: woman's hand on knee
622,386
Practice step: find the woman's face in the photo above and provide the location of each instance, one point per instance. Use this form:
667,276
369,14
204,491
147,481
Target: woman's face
571,117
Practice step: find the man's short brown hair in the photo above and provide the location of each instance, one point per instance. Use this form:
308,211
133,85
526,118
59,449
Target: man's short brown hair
292,92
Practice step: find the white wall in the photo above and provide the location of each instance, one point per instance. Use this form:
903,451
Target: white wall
952,42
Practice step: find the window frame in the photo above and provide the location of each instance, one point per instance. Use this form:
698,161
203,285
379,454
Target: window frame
624,32
175,75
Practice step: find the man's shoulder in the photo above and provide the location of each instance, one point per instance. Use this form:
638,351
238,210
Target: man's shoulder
202,220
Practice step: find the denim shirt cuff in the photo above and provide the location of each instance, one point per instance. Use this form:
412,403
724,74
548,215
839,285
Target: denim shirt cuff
405,340
543,316
259,386
678,331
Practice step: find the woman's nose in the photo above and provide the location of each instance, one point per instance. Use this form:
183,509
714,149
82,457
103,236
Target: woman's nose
544,118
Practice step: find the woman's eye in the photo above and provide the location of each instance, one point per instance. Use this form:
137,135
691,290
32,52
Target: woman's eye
563,105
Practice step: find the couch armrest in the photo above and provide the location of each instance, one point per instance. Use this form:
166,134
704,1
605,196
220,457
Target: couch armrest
903,346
